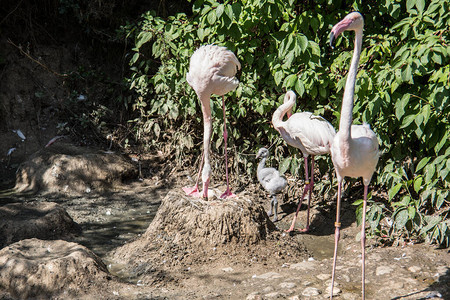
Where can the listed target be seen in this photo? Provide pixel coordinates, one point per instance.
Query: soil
(88, 223)
(144, 239)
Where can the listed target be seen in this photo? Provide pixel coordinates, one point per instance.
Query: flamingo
(354, 151)
(271, 180)
(212, 70)
(311, 134)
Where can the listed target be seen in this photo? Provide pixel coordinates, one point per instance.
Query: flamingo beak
(339, 28)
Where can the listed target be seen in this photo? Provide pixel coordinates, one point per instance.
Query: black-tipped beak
(332, 40)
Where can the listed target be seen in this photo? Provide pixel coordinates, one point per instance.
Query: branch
(35, 60)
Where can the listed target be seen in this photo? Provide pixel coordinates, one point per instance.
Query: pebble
(269, 275)
(324, 276)
(254, 296)
(336, 290)
(381, 270)
(287, 285)
(414, 269)
(306, 265)
(310, 291)
(228, 269)
(273, 295)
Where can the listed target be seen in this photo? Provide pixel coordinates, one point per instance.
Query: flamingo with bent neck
(354, 151)
(212, 70)
(311, 134)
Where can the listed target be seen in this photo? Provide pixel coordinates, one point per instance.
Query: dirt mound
(41, 269)
(43, 220)
(63, 168)
(189, 231)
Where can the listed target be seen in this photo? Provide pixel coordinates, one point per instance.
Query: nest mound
(37, 269)
(190, 231)
(43, 220)
(64, 168)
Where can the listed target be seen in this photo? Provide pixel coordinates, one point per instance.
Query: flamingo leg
(228, 192)
(311, 188)
(337, 224)
(274, 204)
(193, 191)
(306, 188)
(363, 242)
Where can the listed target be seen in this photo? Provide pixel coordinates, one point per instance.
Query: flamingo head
(263, 152)
(353, 21)
(289, 96)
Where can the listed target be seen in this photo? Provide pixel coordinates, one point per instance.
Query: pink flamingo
(309, 133)
(212, 70)
(354, 151)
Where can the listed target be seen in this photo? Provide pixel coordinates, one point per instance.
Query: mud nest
(188, 231)
(43, 220)
(37, 269)
(63, 168)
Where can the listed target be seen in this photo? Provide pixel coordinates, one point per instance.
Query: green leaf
(407, 121)
(401, 216)
(303, 42)
(422, 163)
(219, 10)
(418, 183)
(284, 166)
(394, 190)
(400, 106)
(299, 87)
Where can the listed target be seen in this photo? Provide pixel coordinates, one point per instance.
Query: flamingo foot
(227, 194)
(292, 229)
(192, 191)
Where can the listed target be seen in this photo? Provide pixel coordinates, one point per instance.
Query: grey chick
(271, 180)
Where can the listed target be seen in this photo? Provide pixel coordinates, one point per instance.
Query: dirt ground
(151, 252)
(108, 247)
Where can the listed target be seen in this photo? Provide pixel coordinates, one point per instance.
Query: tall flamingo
(212, 70)
(354, 151)
(311, 134)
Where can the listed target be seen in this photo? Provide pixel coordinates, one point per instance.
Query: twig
(36, 61)
(11, 12)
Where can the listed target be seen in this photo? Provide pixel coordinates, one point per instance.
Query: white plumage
(312, 134)
(212, 70)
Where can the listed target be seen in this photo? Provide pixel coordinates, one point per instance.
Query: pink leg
(363, 242)
(336, 235)
(193, 191)
(306, 188)
(228, 192)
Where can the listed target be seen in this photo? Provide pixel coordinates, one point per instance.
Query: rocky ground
(143, 239)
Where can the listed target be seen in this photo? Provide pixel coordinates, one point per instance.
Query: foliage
(402, 90)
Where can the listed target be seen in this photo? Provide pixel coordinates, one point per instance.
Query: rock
(268, 275)
(324, 276)
(414, 269)
(310, 292)
(228, 269)
(42, 220)
(303, 266)
(254, 296)
(287, 285)
(35, 268)
(273, 295)
(336, 290)
(381, 270)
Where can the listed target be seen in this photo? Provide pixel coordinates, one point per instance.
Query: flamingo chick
(271, 180)
(311, 134)
(212, 70)
(355, 147)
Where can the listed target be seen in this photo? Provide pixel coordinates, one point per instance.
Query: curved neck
(262, 164)
(345, 122)
(278, 115)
